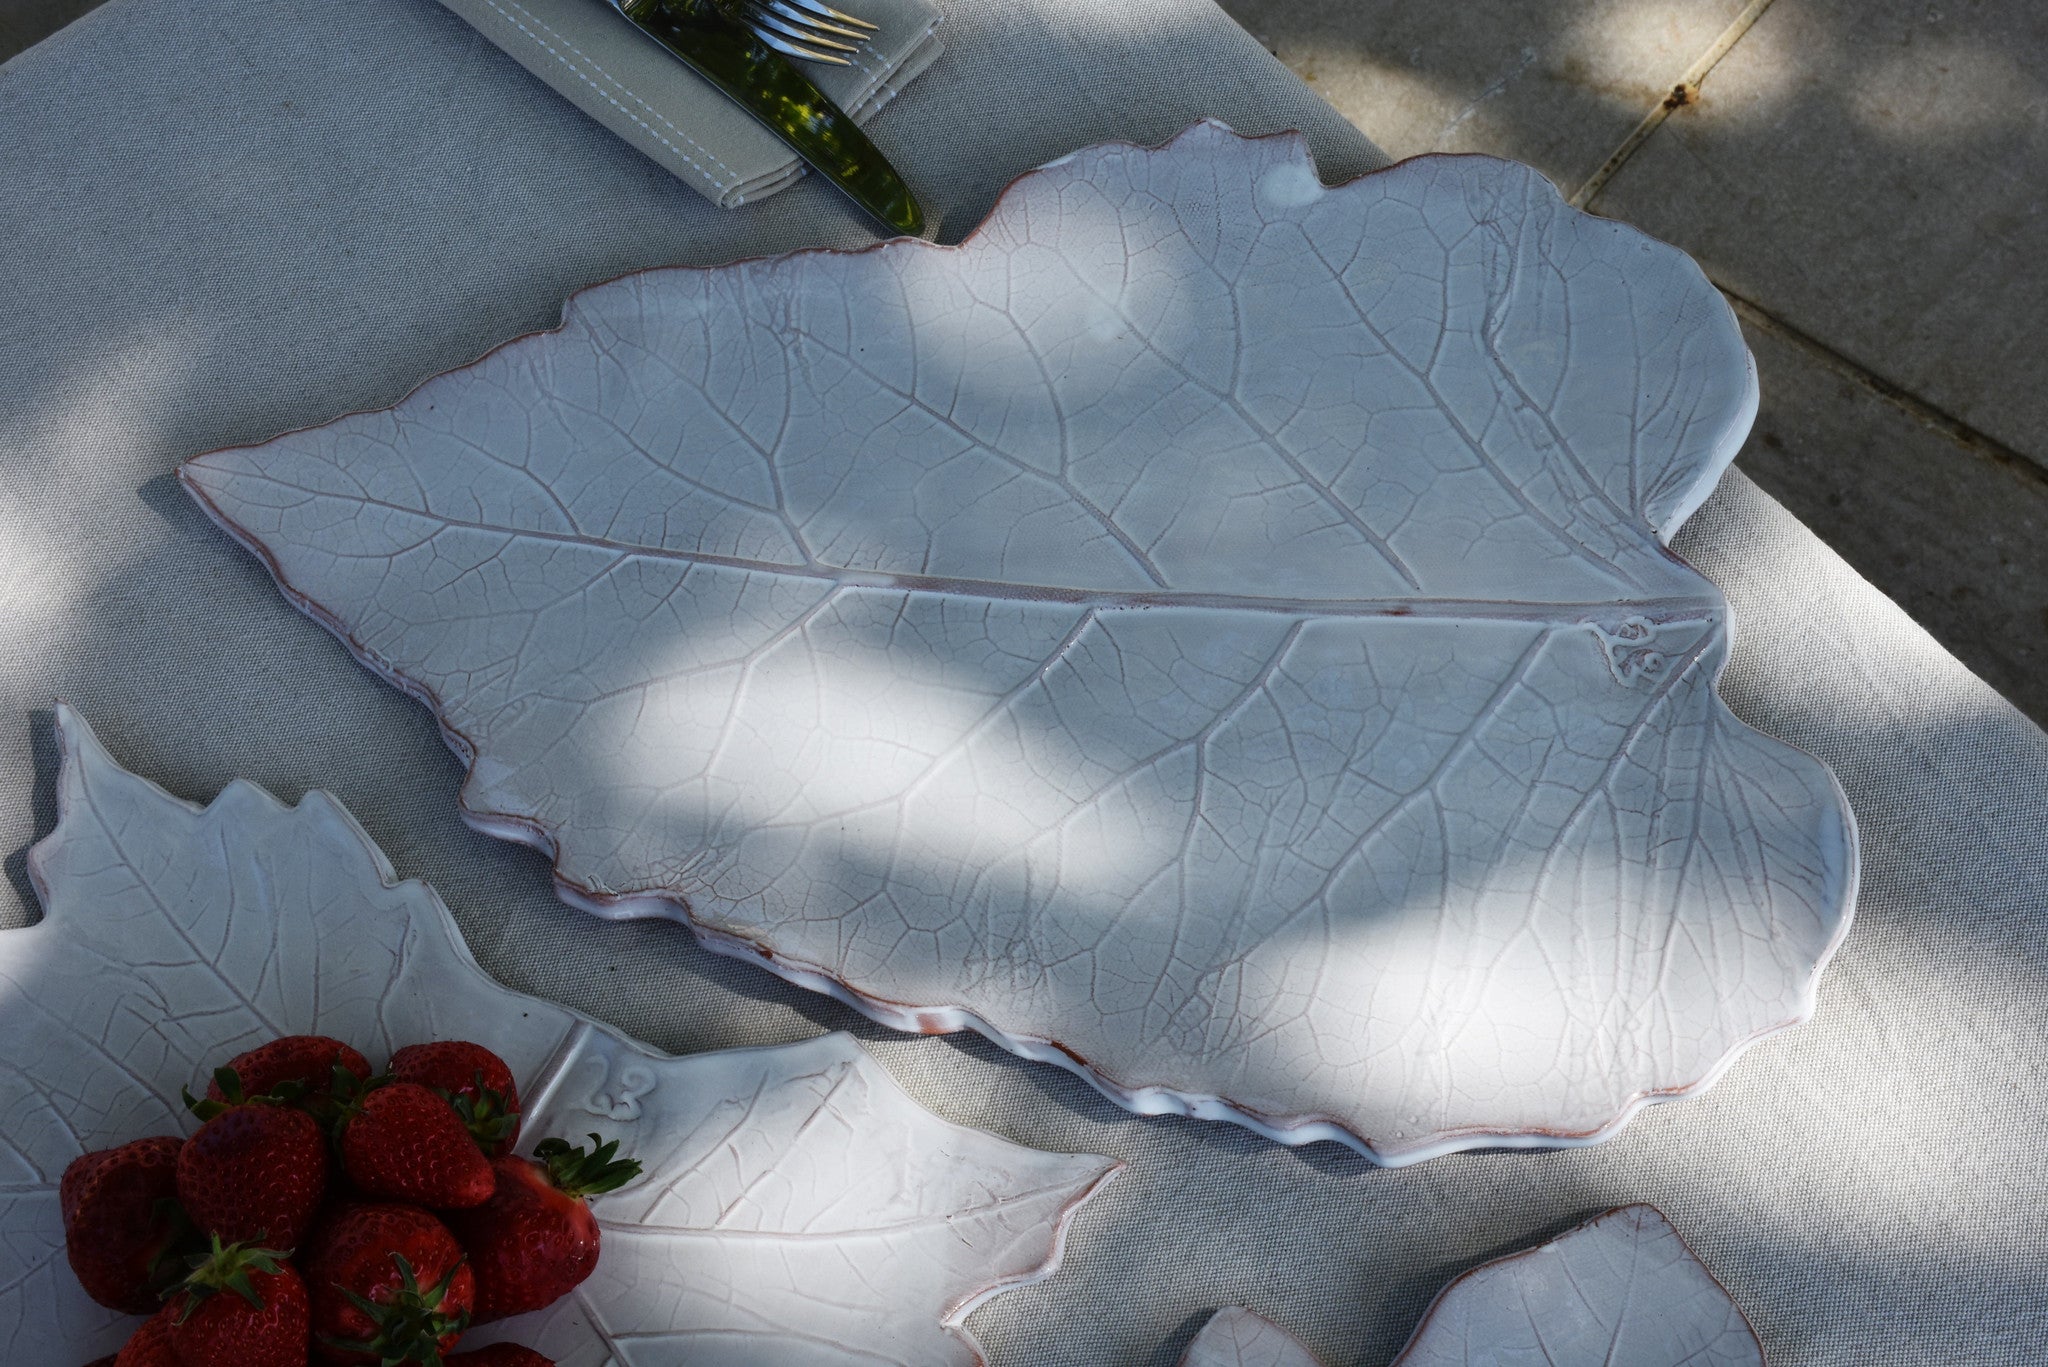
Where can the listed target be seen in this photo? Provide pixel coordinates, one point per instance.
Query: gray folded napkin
(633, 86)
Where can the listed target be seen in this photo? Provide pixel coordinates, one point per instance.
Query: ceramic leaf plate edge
(314, 507)
(1621, 1288)
(795, 1201)
(1235, 1337)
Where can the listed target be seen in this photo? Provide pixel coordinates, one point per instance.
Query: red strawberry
(241, 1307)
(149, 1346)
(535, 1240)
(499, 1355)
(475, 1080)
(255, 1170)
(306, 1060)
(122, 1225)
(402, 1143)
(389, 1285)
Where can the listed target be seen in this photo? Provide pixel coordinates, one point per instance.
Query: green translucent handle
(763, 82)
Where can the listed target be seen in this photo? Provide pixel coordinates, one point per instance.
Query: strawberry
(122, 1223)
(255, 1170)
(388, 1284)
(305, 1064)
(499, 1355)
(535, 1240)
(241, 1307)
(149, 1346)
(475, 1081)
(400, 1142)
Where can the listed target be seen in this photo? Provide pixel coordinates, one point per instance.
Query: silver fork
(807, 29)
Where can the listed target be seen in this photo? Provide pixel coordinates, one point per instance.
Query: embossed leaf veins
(1210, 630)
(1235, 1337)
(796, 1206)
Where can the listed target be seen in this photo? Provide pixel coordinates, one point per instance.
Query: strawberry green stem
(586, 1174)
(410, 1325)
(226, 1268)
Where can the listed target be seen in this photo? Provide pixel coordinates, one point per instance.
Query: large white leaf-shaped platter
(796, 1206)
(1621, 1290)
(1208, 630)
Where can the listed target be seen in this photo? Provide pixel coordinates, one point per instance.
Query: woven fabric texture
(631, 85)
(226, 218)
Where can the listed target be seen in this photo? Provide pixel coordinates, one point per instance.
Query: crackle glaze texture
(1210, 631)
(796, 1206)
(1620, 1289)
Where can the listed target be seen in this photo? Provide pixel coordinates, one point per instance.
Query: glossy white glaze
(1235, 1337)
(796, 1206)
(1208, 631)
(1621, 1290)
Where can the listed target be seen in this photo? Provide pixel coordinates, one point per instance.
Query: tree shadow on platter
(932, 895)
(1885, 386)
(1925, 873)
(1929, 880)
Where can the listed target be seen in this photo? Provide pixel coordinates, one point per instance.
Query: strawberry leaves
(580, 1174)
(229, 1084)
(486, 1116)
(225, 1268)
(411, 1323)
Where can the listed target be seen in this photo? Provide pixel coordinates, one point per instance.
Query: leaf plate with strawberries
(794, 1205)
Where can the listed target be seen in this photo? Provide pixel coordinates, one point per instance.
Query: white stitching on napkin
(731, 177)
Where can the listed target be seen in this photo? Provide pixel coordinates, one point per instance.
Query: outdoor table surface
(227, 218)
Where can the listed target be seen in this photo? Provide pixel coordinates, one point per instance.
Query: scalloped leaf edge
(1140, 1099)
(81, 752)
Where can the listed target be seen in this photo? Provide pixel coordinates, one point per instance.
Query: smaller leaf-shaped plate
(796, 1206)
(1235, 1337)
(1621, 1288)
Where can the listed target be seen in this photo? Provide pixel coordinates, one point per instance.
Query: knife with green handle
(762, 81)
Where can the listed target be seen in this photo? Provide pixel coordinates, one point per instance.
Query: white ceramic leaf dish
(795, 1206)
(1208, 631)
(1622, 1288)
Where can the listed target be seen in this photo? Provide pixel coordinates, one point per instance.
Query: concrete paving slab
(1953, 533)
(1876, 174)
(1558, 84)
(24, 23)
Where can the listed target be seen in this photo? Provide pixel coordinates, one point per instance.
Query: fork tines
(808, 29)
(824, 11)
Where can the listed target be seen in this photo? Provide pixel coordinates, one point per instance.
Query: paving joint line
(1684, 93)
(1898, 396)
